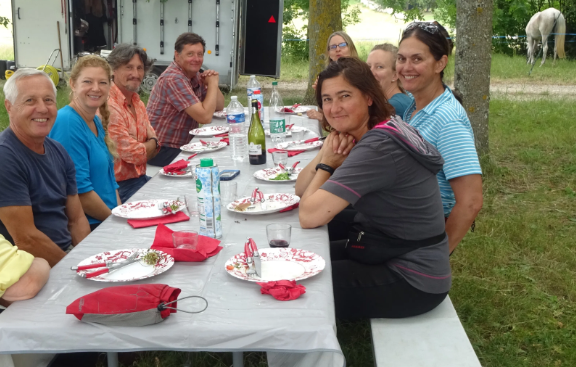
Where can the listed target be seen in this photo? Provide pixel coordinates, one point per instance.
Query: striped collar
(431, 107)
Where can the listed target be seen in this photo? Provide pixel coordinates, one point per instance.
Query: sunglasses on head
(341, 45)
(429, 27)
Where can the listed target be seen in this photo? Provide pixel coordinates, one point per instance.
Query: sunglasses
(425, 26)
(341, 45)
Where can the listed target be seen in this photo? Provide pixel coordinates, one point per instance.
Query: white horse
(539, 27)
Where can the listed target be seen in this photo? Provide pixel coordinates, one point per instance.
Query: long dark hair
(433, 35)
(358, 74)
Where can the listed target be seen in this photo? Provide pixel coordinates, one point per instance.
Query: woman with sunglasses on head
(422, 57)
(382, 63)
(85, 137)
(339, 45)
(393, 260)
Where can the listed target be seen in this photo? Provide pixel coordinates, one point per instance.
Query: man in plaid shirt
(182, 98)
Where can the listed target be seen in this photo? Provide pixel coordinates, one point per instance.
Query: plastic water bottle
(277, 117)
(254, 91)
(237, 134)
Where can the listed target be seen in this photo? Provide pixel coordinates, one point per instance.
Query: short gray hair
(11, 89)
(123, 53)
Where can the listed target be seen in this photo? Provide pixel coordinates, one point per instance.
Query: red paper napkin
(225, 140)
(291, 153)
(291, 207)
(221, 135)
(176, 167)
(141, 223)
(283, 290)
(206, 247)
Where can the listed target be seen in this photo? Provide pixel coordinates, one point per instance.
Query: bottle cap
(234, 98)
(274, 83)
(206, 162)
(252, 76)
(257, 91)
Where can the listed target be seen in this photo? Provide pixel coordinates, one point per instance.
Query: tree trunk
(472, 66)
(324, 19)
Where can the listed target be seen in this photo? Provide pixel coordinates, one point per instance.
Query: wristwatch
(156, 140)
(325, 167)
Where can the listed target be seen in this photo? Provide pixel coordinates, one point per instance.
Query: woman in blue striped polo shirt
(441, 119)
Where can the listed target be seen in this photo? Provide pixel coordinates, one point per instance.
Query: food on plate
(151, 258)
(242, 207)
(171, 206)
(284, 176)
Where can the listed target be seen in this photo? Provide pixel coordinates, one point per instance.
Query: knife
(302, 142)
(256, 257)
(109, 267)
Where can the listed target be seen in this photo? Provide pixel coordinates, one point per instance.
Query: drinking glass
(278, 234)
(228, 192)
(298, 134)
(192, 205)
(280, 157)
(185, 239)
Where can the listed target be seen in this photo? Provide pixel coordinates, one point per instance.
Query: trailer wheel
(148, 83)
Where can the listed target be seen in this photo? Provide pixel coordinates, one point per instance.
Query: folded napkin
(178, 167)
(291, 153)
(221, 135)
(225, 140)
(173, 218)
(283, 290)
(291, 207)
(206, 247)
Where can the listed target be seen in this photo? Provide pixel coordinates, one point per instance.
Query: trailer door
(35, 32)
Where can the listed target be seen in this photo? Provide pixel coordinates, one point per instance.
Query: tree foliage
(4, 21)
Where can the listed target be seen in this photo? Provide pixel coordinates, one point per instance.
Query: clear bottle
(237, 134)
(254, 91)
(277, 116)
(256, 138)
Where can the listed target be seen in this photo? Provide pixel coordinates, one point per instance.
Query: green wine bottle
(256, 137)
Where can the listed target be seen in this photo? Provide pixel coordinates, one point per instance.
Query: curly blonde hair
(97, 62)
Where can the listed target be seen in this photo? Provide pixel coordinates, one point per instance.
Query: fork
(251, 271)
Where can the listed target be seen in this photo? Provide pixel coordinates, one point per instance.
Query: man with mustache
(183, 97)
(40, 211)
(129, 126)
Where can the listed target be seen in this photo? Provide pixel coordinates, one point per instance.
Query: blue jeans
(129, 187)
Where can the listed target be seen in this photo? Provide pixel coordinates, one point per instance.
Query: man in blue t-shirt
(40, 211)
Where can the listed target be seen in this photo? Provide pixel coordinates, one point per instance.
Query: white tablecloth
(238, 317)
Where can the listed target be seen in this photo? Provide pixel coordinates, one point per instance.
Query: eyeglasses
(341, 45)
(429, 27)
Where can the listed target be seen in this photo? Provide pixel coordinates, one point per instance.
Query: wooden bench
(434, 339)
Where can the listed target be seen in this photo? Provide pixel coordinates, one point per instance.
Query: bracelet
(325, 167)
(156, 140)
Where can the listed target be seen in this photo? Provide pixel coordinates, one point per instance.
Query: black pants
(164, 157)
(370, 291)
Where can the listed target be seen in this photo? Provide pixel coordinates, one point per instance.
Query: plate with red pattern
(150, 263)
(272, 203)
(300, 145)
(278, 264)
(203, 147)
(209, 130)
(271, 175)
(148, 209)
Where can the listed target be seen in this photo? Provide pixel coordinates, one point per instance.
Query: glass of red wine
(278, 234)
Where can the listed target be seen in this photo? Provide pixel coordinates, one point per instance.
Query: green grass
(515, 70)
(6, 52)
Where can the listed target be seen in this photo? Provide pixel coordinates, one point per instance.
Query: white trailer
(242, 36)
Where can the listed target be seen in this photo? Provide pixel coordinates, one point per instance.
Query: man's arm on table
(214, 101)
(19, 221)
(77, 221)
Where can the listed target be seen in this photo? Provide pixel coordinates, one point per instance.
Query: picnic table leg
(237, 359)
(112, 359)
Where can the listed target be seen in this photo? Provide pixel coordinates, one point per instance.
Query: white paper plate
(201, 148)
(210, 130)
(188, 174)
(269, 173)
(274, 203)
(278, 264)
(135, 271)
(299, 109)
(144, 209)
(300, 145)
(308, 133)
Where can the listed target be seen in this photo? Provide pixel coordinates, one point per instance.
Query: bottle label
(255, 149)
(235, 118)
(277, 126)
